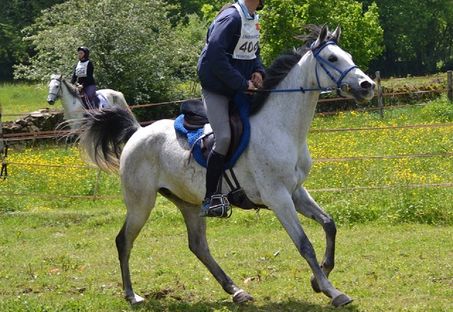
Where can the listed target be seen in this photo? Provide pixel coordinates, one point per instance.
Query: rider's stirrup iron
(219, 207)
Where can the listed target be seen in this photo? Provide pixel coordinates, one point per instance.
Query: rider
(229, 63)
(83, 75)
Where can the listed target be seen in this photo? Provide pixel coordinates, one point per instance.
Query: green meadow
(59, 219)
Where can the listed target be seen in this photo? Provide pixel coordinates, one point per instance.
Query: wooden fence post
(380, 94)
(450, 85)
(1, 129)
(3, 151)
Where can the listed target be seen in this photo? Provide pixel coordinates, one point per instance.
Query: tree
(418, 35)
(15, 15)
(284, 19)
(133, 45)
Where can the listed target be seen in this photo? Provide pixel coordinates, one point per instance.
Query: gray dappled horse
(72, 103)
(271, 170)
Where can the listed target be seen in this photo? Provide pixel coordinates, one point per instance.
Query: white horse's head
(335, 68)
(54, 88)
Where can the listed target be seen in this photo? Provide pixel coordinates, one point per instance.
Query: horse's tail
(103, 135)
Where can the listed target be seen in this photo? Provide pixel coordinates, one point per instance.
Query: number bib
(249, 41)
(81, 69)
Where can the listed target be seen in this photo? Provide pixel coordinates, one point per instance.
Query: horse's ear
(337, 34)
(322, 37)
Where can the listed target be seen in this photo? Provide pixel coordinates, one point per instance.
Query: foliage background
(134, 46)
(284, 19)
(149, 49)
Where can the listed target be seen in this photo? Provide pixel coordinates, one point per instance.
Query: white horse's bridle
(52, 93)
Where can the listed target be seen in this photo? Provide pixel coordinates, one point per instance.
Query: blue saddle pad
(103, 102)
(242, 104)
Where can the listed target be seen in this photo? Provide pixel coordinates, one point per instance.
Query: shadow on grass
(291, 305)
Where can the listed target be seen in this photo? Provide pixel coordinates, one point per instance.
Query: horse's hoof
(314, 285)
(341, 300)
(241, 296)
(135, 299)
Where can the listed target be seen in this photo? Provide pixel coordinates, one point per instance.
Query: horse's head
(54, 88)
(336, 69)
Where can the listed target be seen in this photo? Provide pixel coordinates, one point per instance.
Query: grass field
(22, 98)
(65, 260)
(394, 245)
(395, 204)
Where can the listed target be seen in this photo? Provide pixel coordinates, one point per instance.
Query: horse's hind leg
(196, 230)
(138, 211)
(306, 205)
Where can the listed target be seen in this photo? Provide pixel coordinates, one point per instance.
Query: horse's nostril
(366, 85)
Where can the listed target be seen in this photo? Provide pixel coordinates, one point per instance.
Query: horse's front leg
(307, 206)
(282, 204)
(196, 230)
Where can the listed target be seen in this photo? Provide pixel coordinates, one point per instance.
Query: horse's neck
(71, 104)
(292, 112)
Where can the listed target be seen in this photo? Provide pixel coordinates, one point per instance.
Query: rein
(324, 65)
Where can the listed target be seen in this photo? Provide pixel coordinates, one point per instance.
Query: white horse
(271, 170)
(72, 103)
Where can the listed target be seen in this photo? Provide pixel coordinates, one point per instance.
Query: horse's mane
(282, 65)
(71, 87)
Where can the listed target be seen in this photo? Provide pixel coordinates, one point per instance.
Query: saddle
(87, 104)
(193, 124)
(195, 117)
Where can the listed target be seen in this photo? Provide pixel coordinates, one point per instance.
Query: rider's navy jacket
(217, 70)
(84, 81)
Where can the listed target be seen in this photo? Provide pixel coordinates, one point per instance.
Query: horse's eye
(332, 58)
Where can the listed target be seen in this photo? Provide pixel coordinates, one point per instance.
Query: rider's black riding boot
(214, 206)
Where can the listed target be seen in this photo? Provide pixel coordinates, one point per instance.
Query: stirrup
(218, 206)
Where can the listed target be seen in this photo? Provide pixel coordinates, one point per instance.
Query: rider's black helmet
(85, 50)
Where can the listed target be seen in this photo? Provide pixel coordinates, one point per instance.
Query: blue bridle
(325, 65)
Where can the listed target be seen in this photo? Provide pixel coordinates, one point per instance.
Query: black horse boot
(214, 205)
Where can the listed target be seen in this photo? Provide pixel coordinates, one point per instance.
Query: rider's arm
(222, 37)
(259, 67)
(90, 70)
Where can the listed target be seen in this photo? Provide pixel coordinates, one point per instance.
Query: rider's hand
(257, 79)
(251, 87)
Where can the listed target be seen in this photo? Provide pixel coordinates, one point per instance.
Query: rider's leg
(213, 172)
(217, 111)
(217, 108)
(90, 92)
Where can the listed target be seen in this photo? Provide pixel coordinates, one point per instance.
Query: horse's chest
(303, 167)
